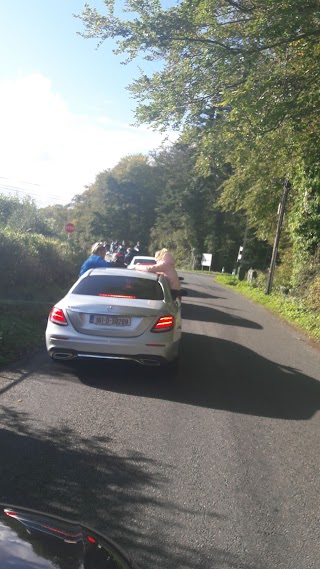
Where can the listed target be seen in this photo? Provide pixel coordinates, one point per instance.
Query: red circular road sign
(70, 228)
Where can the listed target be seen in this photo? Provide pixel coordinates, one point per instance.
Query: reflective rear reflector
(57, 317)
(164, 324)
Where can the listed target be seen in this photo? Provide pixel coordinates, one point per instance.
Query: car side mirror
(71, 544)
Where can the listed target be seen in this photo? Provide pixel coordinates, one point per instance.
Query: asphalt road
(215, 469)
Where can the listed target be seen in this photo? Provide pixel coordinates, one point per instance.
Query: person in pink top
(165, 263)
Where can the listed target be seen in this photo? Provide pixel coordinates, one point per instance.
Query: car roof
(143, 257)
(122, 273)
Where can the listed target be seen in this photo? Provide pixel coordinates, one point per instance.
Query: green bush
(31, 261)
(22, 329)
(313, 296)
(290, 308)
(35, 272)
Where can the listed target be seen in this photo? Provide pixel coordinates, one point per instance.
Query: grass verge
(22, 330)
(23, 322)
(290, 308)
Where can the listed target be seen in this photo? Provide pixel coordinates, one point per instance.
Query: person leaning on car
(96, 259)
(164, 264)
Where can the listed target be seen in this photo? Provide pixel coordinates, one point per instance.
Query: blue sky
(65, 113)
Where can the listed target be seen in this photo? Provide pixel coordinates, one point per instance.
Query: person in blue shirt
(96, 259)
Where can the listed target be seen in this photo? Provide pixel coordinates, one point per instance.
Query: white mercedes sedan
(116, 314)
(142, 260)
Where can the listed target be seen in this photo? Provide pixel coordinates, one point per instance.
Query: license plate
(104, 320)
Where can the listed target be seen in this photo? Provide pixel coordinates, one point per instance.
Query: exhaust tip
(63, 356)
(149, 362)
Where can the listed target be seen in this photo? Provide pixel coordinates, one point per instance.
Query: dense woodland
(240, 83)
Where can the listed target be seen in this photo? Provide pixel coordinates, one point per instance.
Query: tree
(8, 204)
(22, 214)
(189, 219)
(240, 79)
(56, 217)
(257, 60)
(120, 204)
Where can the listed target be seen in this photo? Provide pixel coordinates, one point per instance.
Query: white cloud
(43, 143)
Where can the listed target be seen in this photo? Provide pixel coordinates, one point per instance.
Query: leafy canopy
(260, 60)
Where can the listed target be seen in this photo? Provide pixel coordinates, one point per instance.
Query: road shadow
(123, 495)
(216, 374)
(209, 314)
(213, 373)
(192, 293)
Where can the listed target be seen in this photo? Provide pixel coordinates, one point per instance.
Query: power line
(20, 181)
(24, 191)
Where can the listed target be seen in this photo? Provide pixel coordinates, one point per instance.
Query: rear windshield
(119, 287)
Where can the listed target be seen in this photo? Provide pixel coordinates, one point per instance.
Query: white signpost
(206, 260)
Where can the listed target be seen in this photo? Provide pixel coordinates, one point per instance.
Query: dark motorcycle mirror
(29, 539)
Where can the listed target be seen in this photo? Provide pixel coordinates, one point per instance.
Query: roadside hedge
(33, 262)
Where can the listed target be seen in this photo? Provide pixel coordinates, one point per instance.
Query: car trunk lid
(120, 317)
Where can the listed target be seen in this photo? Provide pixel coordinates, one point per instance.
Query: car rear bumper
(142, 359)
(102, 348)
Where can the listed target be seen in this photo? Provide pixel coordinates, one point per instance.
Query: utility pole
(193, 258)
(282, 206)
(241, 254)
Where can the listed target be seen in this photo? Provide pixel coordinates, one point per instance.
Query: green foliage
(22, 329)
(189, 221)
(22, 215)
(120, 204)
(36, 271)
(257, 60)
(241, 82)
(313, 298)
(290, 308)
(56, 217)
(33, 261)
(8, 204)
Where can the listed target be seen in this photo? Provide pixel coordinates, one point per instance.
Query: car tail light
(57, 317)
(11, 514)
(164, 324)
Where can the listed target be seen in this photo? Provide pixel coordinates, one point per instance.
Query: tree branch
(239, 7)
(205, 41)
(284, 42)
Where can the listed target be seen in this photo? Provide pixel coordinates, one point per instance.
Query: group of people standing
(165, 264)
(100, 250)
(116, 246)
